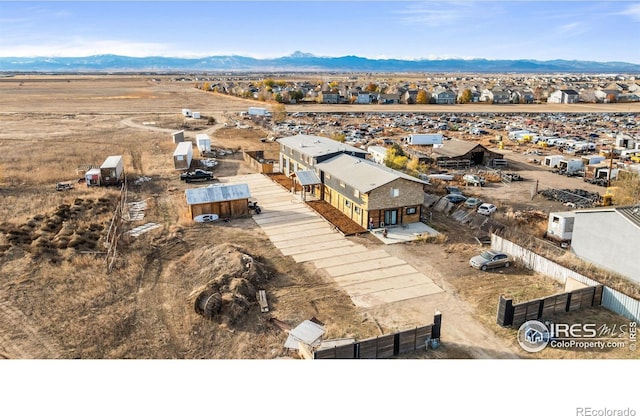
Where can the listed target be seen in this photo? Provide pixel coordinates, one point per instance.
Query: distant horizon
(598, 31)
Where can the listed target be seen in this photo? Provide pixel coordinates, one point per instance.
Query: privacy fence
(515, 315)
(386, 346)
(611, 299)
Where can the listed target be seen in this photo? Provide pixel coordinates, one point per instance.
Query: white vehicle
(486, 209)
(474, 180)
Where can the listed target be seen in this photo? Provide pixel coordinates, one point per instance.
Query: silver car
(490, 259)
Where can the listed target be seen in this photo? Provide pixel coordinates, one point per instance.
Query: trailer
(183, 155)
(592, 159)
(203, 142)
(424, 139)
(92, 177)
(178, 136)
(552, 161)
(258, 111)
(112, 171)
(570, 166)
(560, 226)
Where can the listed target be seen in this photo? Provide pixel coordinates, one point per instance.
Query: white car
(206, 218)
(486, 209)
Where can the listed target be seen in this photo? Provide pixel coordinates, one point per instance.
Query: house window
(347, 203)
(342, 184)
(356, 193)
(395, 192)
(411, 210)
(356, 209)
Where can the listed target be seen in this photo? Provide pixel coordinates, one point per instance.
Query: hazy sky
(582, 30)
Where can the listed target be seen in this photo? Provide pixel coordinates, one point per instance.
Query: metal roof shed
(225, 200)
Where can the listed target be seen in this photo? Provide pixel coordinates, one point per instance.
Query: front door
(391, 217)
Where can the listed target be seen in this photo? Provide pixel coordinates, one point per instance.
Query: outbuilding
(178, 136)
(183, 155)
(112, 171)
(225, 200)
(92, 177)
(462, 150)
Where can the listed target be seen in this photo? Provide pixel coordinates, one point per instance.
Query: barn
(462, 151)
(225, 200)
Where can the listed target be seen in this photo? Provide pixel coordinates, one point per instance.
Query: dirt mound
(227, 279)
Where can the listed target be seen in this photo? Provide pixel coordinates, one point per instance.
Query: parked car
(453, 190)
(197, 175)
(64, 186)
(490, 259)
(472, 202)
(206, 218)
(455, 198)
(474, 180)
(486, 209)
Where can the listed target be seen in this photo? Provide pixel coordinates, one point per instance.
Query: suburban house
(522, 97)
(462, 150)
(364, 97)
(409, 96)
(365, 191)
(389, 99)
(443, 96)
(330, 97)
(225, 200)
(564, 97)
(609, 238)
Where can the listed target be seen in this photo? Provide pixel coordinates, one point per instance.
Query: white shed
(560, 226)
(203, 142)
(183, 155)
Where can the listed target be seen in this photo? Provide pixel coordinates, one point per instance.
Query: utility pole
(610, 166)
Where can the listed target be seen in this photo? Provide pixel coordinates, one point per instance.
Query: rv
(112, 171)
(424, 139)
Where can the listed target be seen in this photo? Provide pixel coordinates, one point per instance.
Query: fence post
(437, 324)
(505, 312)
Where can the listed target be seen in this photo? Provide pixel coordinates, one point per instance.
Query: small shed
(225, 200)
(183, 155)
(203, 141)
(560, 226)
(178, 136)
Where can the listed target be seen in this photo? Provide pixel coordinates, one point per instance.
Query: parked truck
(112, 171)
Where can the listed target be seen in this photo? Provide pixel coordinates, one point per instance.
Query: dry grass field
(53, 277)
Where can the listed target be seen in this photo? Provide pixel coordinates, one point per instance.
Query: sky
(574, 30)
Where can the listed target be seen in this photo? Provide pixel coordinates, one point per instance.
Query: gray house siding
(608, 240)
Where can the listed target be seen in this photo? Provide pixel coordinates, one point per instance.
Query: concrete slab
(330, 253)
(299, 235)
(298, 227)
(371, 300)
(308, 241)
(342, 259)
(316, 247)
(270, 213)
(395, 282)
(349, 279)
(363, 266)
(283, 218)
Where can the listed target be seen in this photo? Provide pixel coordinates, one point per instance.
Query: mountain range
(303, 62)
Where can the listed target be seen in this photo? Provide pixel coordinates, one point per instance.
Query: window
(395, 192)
(356, 209)
(356, 193)
(347, 203)
(411, 210)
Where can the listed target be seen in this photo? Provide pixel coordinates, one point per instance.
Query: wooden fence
(515, 315)
(386, 346)
(256, 160)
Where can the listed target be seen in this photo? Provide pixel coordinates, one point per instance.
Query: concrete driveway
(370, 277)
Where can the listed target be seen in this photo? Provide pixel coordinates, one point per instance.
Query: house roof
(307, 177)
(570, 92)
(362, 174)
(315, 146)
(454, 148)
(217, 193)
(377, 149)
(631, 212)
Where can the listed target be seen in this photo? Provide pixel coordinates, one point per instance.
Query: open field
(53, 277)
